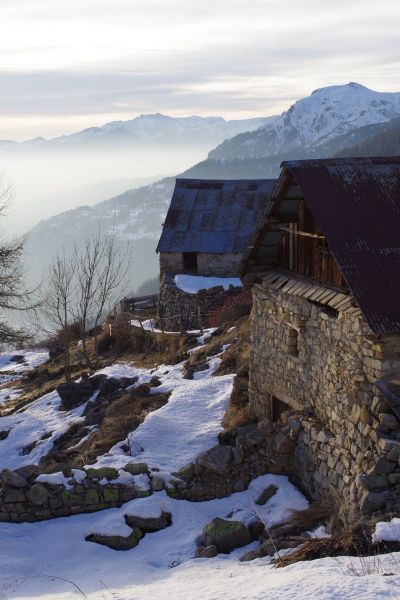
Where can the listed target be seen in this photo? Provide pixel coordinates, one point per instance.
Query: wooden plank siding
(308, 255)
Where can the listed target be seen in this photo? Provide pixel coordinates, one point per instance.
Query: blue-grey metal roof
(214, 216)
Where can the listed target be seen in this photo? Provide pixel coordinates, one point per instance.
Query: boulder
(29, 472)
(73, 393)
(13, 479)
(117, 542)
(226, 535)
(266, 494)
(217, 459)
(136, 468)
(149, 524)
(109, 385)
(157, 483)
(206, 552)
(373, 501)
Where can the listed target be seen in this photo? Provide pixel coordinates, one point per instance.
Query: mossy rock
(102, 473)
(117, 542)
(38, 494)
(226, 535)
(136, 468)
(186, 473)
(110, 495)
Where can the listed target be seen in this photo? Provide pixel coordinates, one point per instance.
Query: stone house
(324, 267)
(206, 232)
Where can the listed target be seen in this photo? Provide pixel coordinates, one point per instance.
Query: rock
(186, 473)
(226, 535)
(388, 421)
(157, 483)
(256, 528)
(73, 394)
(12, 479)
(373, 482)
(373, 501)
(383, 466)
(101, 473)
(117, 542)
(140, 391)
(267, 494)
(206, 551)
(96, 380)
(136, 468)
(109, 385)
(28, 471)
(284, 445)
(38, 494)
(149, 524)
(217, 460)
(4, 435)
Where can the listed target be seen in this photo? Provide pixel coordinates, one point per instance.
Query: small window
(292, 341)
(190, 262)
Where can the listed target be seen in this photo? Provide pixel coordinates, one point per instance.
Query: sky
(70, 64)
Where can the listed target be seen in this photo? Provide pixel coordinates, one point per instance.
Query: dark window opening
(190, 262)
(277, 408)
(293, 341)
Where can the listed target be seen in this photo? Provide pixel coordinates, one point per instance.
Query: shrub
(234, 307)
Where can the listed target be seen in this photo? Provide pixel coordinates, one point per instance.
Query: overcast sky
(69, 64)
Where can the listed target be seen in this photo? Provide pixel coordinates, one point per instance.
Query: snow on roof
(193, 283)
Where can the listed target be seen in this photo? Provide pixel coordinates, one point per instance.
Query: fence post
(200, 320)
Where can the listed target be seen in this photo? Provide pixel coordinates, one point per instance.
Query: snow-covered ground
(193, 283)
(11, 369)
(51, 559)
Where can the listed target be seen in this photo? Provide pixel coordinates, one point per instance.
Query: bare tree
(59, 301)
(114, 266)
(14, 297)
(100, 269)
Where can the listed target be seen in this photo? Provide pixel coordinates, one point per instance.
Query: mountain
(368, 127)
(146, 129)
(312, 121)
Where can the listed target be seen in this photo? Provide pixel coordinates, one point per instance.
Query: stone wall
(25, 499)
(323, 365)
(216, 265)
(180, 311)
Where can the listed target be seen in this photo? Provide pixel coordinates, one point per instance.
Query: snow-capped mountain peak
(327, 113)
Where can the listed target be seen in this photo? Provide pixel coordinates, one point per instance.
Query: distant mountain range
(145, 129)
(335, 121)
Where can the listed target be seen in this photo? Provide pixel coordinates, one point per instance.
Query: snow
(41, 422)
(188, 424)
(193, 283)
(37, 558)
(327, 113)
(387, 531)
(11, 370)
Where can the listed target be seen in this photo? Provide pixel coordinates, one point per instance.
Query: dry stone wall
(181, 311)
(314, 377)
(25, 499)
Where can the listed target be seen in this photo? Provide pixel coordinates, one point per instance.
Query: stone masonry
(216, 265)
(315, 378)
(179, 310)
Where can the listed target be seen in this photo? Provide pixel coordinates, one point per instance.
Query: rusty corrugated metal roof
(214, 216)
(356, 203)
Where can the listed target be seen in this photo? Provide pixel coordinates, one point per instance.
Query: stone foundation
(180, 311)
(314, 377)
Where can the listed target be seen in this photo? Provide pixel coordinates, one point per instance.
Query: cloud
(96, 59)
